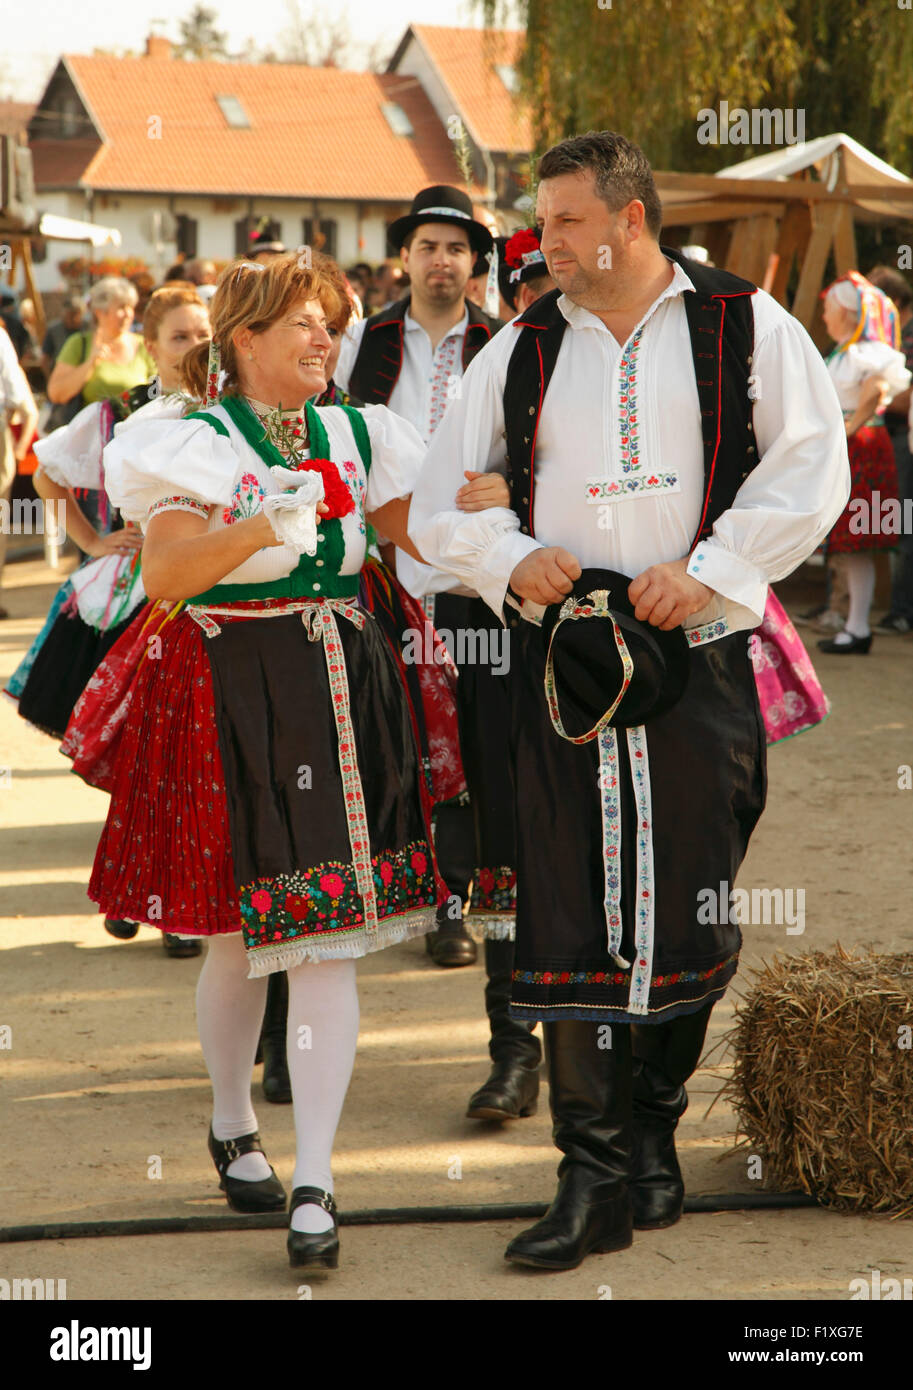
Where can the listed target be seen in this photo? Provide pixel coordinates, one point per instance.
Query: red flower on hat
(520, 245)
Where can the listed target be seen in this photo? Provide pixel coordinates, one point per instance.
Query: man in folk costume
(671, 428)
(411, 357)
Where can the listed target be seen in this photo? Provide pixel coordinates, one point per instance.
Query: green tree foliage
(647, 67)
(200, 38)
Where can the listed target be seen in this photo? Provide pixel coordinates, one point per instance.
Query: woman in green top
(105, 363)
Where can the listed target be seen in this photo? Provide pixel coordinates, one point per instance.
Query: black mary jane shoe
(267, 1194)
(313, 1250)
(855, 644)
(123, 930)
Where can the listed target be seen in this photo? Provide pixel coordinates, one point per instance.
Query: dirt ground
(104, 1072)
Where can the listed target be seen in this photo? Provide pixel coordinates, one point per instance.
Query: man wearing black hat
(671, 428)
(411, 357)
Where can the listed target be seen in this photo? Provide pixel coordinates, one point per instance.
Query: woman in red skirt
(266, 790)
(868, 371)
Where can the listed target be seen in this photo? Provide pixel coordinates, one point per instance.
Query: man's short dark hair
(886, 278)
(620, 168)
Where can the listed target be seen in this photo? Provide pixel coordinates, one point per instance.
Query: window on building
(186, 235)
(233, 112)
(245, 226)
(397, 119)
(508, 76)
(320, 234)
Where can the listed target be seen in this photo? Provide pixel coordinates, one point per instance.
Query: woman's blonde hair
(161, 302)
(255, 296)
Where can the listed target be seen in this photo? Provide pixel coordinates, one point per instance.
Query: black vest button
(532, 410)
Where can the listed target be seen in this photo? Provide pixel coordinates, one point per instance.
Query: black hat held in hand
(604, 666)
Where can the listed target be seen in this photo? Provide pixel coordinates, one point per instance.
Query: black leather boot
(512, 1090)
(273, 1046)
(665, 1055)
(454, 840)
(590, 1097)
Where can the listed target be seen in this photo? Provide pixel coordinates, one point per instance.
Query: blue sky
(38, 31)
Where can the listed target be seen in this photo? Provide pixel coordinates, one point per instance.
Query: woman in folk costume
(868, 371)
(278, 816)
(98, 602)
(428, 686)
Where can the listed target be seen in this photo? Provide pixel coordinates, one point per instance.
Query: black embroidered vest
(380, 353)
(721, 326)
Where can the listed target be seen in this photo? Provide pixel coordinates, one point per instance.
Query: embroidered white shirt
(618, 414)
(423, 384)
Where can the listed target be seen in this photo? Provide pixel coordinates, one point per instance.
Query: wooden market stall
(793, 206)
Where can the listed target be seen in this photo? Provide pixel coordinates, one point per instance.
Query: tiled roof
(314, 132)
(61, 163)
(466, 60)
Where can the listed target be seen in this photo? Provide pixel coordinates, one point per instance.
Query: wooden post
(795, 230)
(824, 219)
(845, 253)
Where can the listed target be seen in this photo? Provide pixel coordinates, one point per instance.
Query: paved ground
(104, 1073)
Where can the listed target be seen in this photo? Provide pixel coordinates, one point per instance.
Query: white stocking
(859, 568)
(229, 1015)
(322, 1035)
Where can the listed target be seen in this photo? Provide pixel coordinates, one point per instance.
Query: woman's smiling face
(288, 362)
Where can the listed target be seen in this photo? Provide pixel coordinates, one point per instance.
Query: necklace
(284, 429)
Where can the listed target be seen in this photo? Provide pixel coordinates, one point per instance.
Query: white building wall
(215, 230)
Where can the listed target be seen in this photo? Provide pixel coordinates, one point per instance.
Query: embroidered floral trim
(643, 932)
(616, 489)
(494, 890)
(245, 500)
(326, 898)
(627, 405)
(177, 504)
(708, 632)
(444, 380)
(609, 977)
(611, 837)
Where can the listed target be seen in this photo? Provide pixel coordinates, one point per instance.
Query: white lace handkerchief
(293, 515)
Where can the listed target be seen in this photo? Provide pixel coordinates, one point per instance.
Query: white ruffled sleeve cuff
(71, 455)
(168, 459)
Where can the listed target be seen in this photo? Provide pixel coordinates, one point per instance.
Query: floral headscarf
(878, 320)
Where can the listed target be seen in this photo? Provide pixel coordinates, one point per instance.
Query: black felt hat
(441, 203)
(600, 656)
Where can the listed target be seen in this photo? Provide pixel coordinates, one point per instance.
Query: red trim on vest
(532, 452)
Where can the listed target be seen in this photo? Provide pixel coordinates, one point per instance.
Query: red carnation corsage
(521, 244)
(336, 494)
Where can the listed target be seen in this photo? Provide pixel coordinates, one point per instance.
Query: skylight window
(397, 119)
(233, 112)
(508, 76)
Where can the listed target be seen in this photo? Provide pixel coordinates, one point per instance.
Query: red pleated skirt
(872, 469)
(168, 766)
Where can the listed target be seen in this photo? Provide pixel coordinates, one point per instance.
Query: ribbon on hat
(596, 605)
(492, 296)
